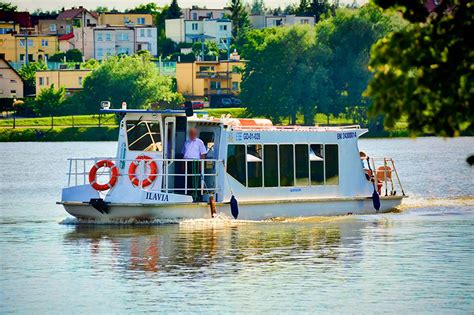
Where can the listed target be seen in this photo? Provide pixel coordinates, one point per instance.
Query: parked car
(226, 102)
(236, 102)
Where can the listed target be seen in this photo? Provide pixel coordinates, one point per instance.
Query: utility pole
(26, 48)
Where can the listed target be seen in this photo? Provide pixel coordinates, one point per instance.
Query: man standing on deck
(194, 149)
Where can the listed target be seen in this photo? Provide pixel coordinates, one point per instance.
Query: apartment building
(11, 84)
(264, 21)
(113, 40)
(54, 27)
(146, 39)
(191, 31)
(125, 19)
(71, 79)
(212, 79)
(38, 47)
(196, 13)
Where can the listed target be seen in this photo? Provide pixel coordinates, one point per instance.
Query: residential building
(79, 17)
(22, 19)
(12, 23)
(146, 39)
(113, 40)
(71, 79)
(125, 19)
(263, 21)
(212, 79)
(191, 31)
(80, 38)
(11, 84)
(14, 47)
(196, 13)
(54, 27)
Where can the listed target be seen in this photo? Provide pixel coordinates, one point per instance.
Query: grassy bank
(86, 127)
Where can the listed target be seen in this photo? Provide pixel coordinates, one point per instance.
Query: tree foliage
(8, 7)
(130, 79)
(257, 7)
(239, 17)
(306, 70)
(425, 71)
(28, 73)
(48, 102)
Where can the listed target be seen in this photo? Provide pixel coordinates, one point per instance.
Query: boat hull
(248, 210)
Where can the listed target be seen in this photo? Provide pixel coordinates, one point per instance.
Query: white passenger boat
(253, 170)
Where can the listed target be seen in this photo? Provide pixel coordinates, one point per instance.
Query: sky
(48, 5)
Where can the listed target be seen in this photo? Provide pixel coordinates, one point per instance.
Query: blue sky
(31, 5)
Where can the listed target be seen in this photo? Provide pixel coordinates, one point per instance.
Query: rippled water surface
(419, 259)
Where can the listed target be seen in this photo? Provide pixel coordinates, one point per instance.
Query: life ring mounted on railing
(132, 171)
(93, 175)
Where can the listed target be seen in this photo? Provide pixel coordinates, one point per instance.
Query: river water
(419, 259)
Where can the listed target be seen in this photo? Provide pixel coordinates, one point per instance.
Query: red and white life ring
(93, 175)
(132, 171)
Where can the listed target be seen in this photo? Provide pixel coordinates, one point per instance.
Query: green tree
(57, 57)
(8, 7)
(130, 79)
(150, 8)
(239, 17)
(211, 50)
(173, 11)
(320, 9)
(74, 55)
(257, 7)
(275, 78)
(48, 102)
(28, 73)
(90, 64)
(425, 71)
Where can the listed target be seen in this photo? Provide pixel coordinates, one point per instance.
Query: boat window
(302, 164)
(254, 165)
(316, 160)
(287, 170)
(270, 165)
(143, 136)
(332, 164)
(236, 165)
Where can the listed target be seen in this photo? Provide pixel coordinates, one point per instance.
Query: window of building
(100, 52)
(99, 37)
(142, 32)
(194, 26)
(6, 30)
(195, 16)
(302, 164)
(22, 57)
(332, 164)
(79, 80)
(47, 80)
(236, 165)
(215, 85)
(316, 160)
(123, 36)
(1, 91)
(41, 81)
(13, 91)
(148, 32)
(141, 20)
(68, 28)
(304, 21)
(206, 68)
(287, 165)
(143, 136)
(270, 165)
(23, 42)
(12, 81)
(223, 27)
(235, 86)
(254, 165)
(1, 75)
(107, 37)
(52, 27)
(44, 42)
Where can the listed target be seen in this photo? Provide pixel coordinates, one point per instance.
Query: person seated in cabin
(194, 150)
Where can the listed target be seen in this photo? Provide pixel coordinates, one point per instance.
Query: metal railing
(195, 175)
(384, 169)
(294, 128)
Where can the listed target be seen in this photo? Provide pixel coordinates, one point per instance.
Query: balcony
(213, 74)
(221, 91)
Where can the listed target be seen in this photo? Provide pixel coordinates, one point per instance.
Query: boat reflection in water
(192, 246)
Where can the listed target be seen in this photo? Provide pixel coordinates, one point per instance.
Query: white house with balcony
(113, 40)
(264, 21)
(146, 38)
(191, 31)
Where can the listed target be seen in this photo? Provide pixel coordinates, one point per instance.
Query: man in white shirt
(194, 149)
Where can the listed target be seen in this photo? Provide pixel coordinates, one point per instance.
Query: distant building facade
(113, 40)
(146, 38)
(79, 17)
(71, 79)
(54, 27)
(264, 21)
(11, 84)
(196, 13)
(125, 19)
(191, 31)
(212, 79)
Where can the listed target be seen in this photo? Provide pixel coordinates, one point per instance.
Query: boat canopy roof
(177, 112)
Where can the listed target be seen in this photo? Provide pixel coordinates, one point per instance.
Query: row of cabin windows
(271, 165)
